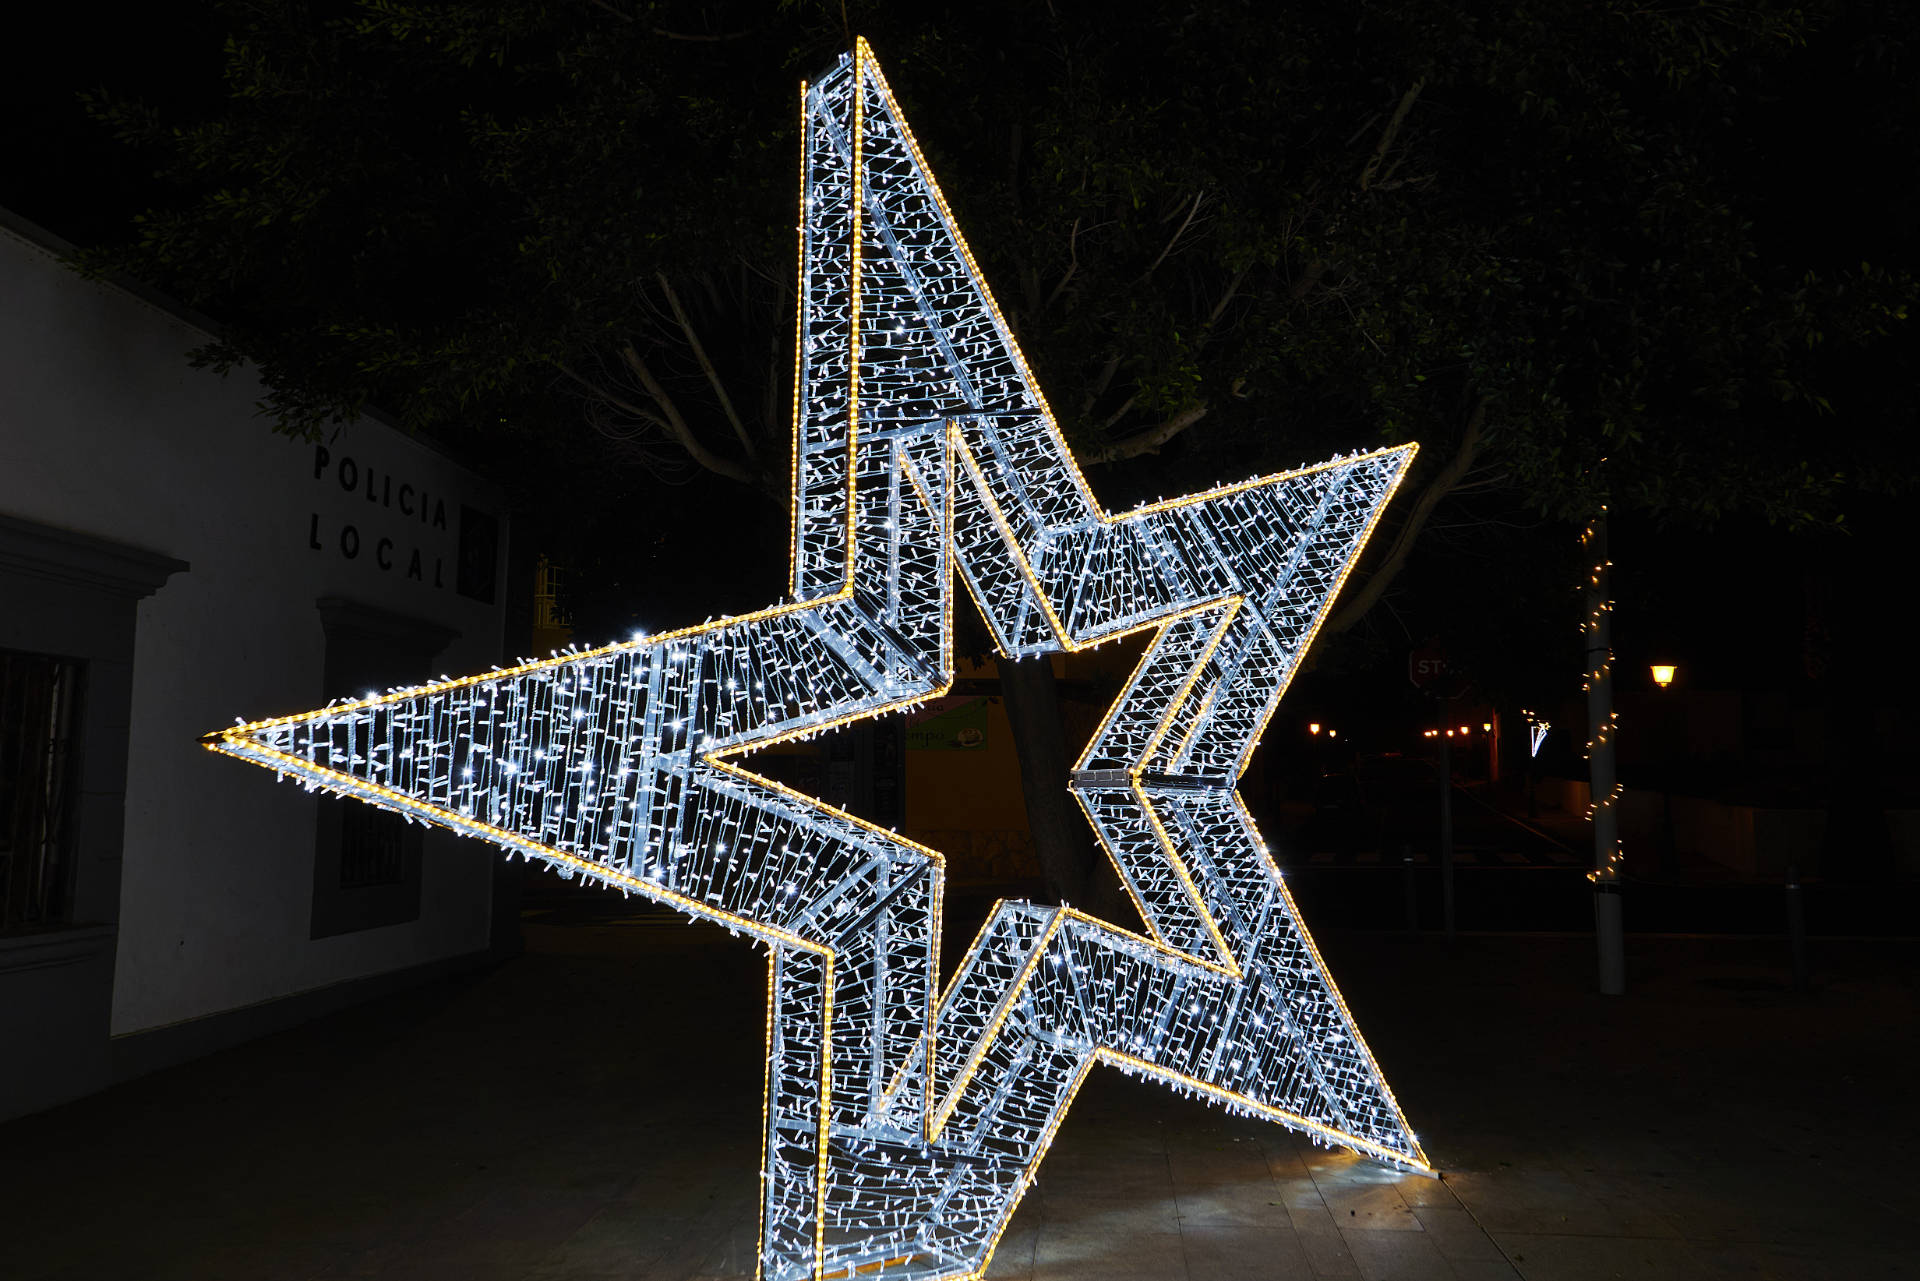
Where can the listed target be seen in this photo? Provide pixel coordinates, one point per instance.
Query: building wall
(106, 431)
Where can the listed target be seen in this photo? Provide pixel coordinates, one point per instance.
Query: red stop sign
(1425, 666)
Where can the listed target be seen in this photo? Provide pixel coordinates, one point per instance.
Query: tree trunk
(1355, 607)
(1603, 790)
(1071, 863)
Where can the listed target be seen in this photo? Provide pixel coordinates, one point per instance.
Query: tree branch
(620, 403)
(696, 36)
(1150, 441)
(1220, 308)
(1100, 384)
(677, 425)
(1179, 231)
(1393, 127)
(1306, 280)
(629, 439)
(672, 35)
(1126, 407)
(706, 367)
(1439, 487)
(1073, 265)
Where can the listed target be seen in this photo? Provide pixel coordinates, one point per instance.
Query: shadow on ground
(590, 1110)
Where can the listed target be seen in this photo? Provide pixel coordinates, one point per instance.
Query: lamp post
(1536, 735)
(1446, 827)
(1663, 674)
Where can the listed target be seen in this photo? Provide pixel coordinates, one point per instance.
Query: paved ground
(1490, 828)
(589, 1111)
(1525, 872)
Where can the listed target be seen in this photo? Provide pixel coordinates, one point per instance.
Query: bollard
(1796, 928)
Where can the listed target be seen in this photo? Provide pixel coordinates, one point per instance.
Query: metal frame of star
(902, 1123)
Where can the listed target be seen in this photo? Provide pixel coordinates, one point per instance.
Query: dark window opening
(366, 870)
(479, 555)
(374, 847)
(39, 721)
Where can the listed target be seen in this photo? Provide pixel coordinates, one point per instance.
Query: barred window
(367, 860)
(39, 719)
(374, 847)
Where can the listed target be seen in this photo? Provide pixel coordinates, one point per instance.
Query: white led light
(902, 1125)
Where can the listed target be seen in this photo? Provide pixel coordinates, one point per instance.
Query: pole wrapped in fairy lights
(903, 1124)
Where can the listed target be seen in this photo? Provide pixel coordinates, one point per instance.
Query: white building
(167, 564)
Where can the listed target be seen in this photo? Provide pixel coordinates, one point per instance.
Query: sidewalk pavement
(590, 1110)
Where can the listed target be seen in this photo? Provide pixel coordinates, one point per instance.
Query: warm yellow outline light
(240, 740)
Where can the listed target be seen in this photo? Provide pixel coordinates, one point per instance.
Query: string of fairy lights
(1537, 728)
(1599, 677)
(902, 1124)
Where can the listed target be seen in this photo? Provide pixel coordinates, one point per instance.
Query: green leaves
(1237, 221)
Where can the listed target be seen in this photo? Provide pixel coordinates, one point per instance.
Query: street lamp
(1669, 860)
(1313, 727)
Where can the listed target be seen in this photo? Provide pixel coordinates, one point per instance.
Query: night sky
(1740, 605)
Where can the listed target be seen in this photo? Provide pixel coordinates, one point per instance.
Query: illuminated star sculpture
(903, 1124)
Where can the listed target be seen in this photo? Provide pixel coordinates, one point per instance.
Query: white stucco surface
(106, 430)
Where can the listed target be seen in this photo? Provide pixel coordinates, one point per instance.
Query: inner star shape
(903, 1123)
